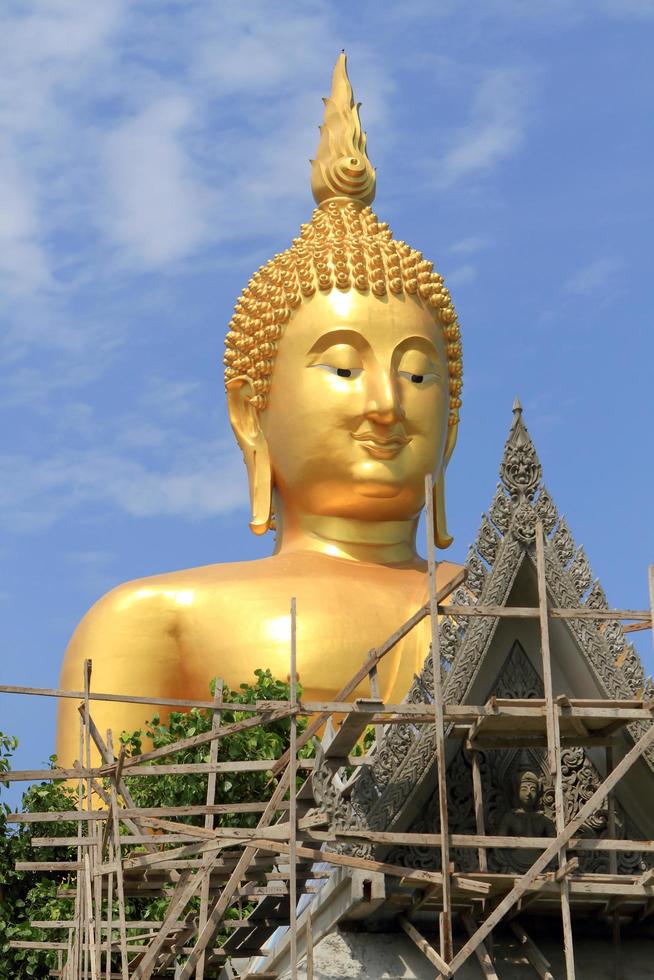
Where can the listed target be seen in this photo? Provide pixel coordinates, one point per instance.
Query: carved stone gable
(500, 772)
(402, 774)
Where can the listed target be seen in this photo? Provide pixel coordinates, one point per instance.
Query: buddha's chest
(338, 622)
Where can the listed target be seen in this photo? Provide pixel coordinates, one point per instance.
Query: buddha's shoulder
(166, 595)
(163, 600)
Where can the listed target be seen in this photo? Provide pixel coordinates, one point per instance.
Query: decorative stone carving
(580, 573)
(546, 510)
(563, 543)
(500, 510)
(518, 679)
(596, 598)
(613, 637)
(629, 664)
(525, 818)
(520, 470)
(462, 596)
(448, 635)
(503, 776)
(476, 573)
(523, 523)
(487, 541)
(404, 771)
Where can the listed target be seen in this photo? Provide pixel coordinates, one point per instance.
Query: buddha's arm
(131, 638)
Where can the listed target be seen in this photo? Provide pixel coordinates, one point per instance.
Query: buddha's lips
(382, 447)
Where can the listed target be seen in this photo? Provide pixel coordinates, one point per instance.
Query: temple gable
(485, 656)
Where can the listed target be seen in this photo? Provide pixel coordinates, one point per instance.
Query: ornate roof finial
(520, 469)
(342, 169)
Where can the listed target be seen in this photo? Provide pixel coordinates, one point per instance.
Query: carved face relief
(528, 790)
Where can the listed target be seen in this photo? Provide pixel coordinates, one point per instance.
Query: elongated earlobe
(441, 537)
(261, 490)
(244, 418)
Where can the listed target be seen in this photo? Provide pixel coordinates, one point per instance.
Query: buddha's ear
(246, 423)
(442, 538)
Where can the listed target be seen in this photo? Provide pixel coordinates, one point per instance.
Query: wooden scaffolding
(285, 865)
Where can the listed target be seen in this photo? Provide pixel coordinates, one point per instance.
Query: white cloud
(628, 9)
(461, 275)
(593, 276)
(24, 264)
(46, 51)
(153, 459)
(470, 245)
(208, 479)
(170, 398)
(498, 122)
(93, 558)
(132, 142)
(158, 208)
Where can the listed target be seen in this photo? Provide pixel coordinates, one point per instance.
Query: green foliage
(25, 897)
(28, 896)
(260, 742)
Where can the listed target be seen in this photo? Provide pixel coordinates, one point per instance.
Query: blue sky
(152, 155)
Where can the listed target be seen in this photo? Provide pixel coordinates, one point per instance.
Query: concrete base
(383, 956)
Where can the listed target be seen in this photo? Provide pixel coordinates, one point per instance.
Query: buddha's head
(343, 358)
(527, 789)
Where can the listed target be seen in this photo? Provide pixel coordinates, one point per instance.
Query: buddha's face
(357, 412)
(528, 791)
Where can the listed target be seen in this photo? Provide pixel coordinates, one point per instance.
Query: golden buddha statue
(343, 379)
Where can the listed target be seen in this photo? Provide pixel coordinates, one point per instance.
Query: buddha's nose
(383, 405)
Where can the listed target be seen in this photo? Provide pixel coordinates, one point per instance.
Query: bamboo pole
(120, 887)
(96, 851)
(479, 808)
(373, 658)
(613, 869)
(78, 965)
(293, 794)
(554, 746)
(87, 936)
(524, 883)
(483, 955)
(540, 964)
(222, 902)
(425, 948)
(208, 819)
(309, 945)
(439, 728)
(110, 912)
(193, 741)
(92, 946)
(374, 693)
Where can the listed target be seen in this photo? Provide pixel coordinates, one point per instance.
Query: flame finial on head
(342, 169)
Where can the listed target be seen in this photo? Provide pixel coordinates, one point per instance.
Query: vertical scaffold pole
(292, 794)
(553, 744)
(479, 808)
(309, 936)
(208, 820)
(78, 950)
(118, 857)
(447, 950)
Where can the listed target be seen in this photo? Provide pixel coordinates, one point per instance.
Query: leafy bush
(28, 896)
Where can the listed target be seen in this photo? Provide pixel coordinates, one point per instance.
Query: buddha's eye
(419, 379)
(342, 372)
